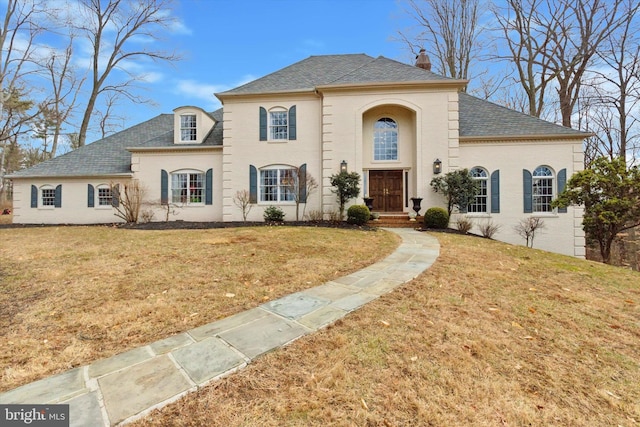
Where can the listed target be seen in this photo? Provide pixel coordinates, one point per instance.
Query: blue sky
(225, 43)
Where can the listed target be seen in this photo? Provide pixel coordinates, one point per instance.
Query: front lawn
(72, 295)
(490, 335)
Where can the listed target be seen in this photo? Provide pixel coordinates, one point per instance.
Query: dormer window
(191, 125)
(188, 128)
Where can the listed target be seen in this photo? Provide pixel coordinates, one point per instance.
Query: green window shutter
(292, 123)
(253, 184)
(90, 196)
(527, 191)
(164, 187)
(562, 182)
(263, 124)
(208, 188)
(57, 202)
(115, 195)
(495, 191)
(302, 183)
(34, 196)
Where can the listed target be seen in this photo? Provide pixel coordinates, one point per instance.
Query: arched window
(479, 203)
(385, 139)
(542, 189)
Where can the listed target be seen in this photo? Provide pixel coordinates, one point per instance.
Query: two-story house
(397, 125)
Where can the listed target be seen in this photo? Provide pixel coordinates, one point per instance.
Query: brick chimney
(423, 61)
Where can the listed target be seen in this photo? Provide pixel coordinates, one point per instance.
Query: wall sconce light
(437, 166)
(343, 166)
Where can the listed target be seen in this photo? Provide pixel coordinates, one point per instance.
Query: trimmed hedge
(358, 214)
(436, 218)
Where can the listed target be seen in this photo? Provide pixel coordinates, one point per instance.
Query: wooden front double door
(385, 187)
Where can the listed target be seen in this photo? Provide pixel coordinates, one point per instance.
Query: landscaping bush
(436, 218)
(488, 229)
(464, 224)
(358, 214)
(273, 214)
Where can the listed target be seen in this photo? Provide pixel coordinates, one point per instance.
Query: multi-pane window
(187, 188)
(278, 125)
(542, 189)
(479, 203)
(48, 197)
(188, 128)
(385, 140)
(105, 196)
(277, 185)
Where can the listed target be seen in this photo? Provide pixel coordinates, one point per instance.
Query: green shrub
(436, 218)
(358, 214)
(273, 214)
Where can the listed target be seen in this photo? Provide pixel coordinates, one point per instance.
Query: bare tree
(107, 116)
(301, 185)
(526, 31)
(450, 30)
(242, 199)
(527, 229)
(613, 99)
(128, 200)
(18, 31)
(112, 27)
(65, 87)
(555, 41)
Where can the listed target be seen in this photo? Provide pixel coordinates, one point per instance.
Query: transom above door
(386, 188)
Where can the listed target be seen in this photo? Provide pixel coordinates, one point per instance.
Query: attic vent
(423, 61)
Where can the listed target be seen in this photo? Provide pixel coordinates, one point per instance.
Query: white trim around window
(188, 128)
(277, 184)
(278, 124)
(47, 197)
(543, 183)
(104, 196)
(385, 140)
(187, 187)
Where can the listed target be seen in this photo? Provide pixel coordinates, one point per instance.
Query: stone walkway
(128, 386)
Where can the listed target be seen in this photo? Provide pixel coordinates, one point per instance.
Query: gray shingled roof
(334, 69)
(480, 118)
(109, 156)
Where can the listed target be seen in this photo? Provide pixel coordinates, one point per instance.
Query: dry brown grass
(491, 335)
(72, 295)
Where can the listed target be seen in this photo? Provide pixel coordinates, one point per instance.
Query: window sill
(261, 203)
(46, 208)
(476, 214)
(545, 215)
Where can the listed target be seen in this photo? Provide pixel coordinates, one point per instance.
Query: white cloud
(193, 90)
